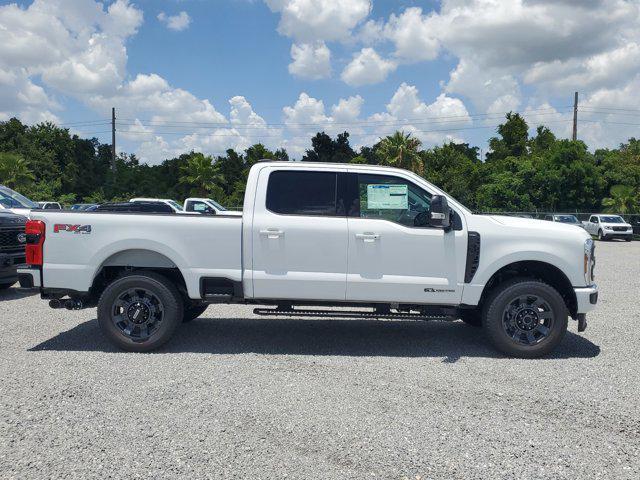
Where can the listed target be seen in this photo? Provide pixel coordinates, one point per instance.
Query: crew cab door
(392, 260)
(592, 225)
(299, 235)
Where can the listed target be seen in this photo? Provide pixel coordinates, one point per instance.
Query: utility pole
(113, 139)
(575, 117)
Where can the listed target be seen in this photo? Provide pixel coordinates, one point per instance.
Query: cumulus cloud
(367, 67)
(75, 47)
(313, 20)
(177, 23)
(433, 123)
(553, 46)
(310, 61)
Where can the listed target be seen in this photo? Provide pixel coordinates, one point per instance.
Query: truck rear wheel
(191, 312)
(525, 318)
(139, 312)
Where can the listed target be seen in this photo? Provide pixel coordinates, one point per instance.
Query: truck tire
(191, 312)
(601, 236)
(140, 311)
(525, 318)
(472, 316)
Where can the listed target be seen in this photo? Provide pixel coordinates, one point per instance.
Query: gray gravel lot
(238, 396)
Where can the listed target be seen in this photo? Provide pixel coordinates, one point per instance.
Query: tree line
(519, 173)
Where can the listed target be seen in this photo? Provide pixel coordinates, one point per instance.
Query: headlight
(589, 260)
(608, 228)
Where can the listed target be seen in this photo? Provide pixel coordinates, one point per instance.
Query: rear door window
(302, 193)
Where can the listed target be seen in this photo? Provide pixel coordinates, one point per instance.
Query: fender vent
(473, 256)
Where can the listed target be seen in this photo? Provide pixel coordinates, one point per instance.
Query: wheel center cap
(527, 319)
(138, 312)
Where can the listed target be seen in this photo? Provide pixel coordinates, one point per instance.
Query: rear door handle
(368, 237)
(272, 233)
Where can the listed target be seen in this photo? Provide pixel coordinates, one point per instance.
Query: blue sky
(208, 75)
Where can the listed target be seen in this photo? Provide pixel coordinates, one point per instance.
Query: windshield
(611, 219)
(566, 219)
(217, 205)
(11, 199)
(175, 204)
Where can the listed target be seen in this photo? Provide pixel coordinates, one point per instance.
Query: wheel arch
(134, 259)
(539, 270)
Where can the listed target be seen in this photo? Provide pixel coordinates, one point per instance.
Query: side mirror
(440, 212)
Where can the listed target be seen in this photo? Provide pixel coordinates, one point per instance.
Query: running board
(277, 312)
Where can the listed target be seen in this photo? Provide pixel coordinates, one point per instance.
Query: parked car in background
(206, 206)
(49, 206)
(175, 206)
(83, 206)
(14, 202)
(12, 246)
(607, 227)
(142, 207)
(563, 218)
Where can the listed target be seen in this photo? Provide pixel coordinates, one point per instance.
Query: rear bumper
(586, 298)
(29, 277)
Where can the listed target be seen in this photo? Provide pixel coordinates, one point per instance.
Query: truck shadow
(451, 340)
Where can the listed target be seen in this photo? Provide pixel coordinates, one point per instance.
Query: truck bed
(78, 245)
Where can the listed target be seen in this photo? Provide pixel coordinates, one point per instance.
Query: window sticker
(387, 197)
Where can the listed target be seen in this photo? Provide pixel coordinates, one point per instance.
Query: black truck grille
(619, 229)
(10, 239)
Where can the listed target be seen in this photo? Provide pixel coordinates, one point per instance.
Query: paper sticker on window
(387, 197)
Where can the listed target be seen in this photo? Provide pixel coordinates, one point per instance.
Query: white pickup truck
(314, 236)
(207, 206)
(607, 227)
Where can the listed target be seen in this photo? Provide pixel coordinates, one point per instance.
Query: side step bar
(276, 312)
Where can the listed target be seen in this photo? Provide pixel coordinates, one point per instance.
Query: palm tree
(200, 173)
(401, 150)
(14, 171)
(623, 200)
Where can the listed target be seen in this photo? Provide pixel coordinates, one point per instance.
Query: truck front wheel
(525, 318)
(140, 311)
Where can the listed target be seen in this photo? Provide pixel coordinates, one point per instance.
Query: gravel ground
(237, 396)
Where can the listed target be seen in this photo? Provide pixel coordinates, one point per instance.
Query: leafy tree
(624, 199)
(401, 150)
(326, 149)
(199, 173)
(456, 169)
(514, 136)
(14, 171)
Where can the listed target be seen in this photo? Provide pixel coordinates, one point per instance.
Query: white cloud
(432, 123)
(367, 67)
(414, 35)
(404, 111)
(177, 23)
(310, 61)
(312, 20)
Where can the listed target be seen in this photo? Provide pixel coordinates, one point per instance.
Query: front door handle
(368, 237)
(272, 233)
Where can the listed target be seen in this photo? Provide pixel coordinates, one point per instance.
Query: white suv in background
(607, 227)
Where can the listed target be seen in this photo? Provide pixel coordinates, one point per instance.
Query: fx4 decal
(82, 229)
